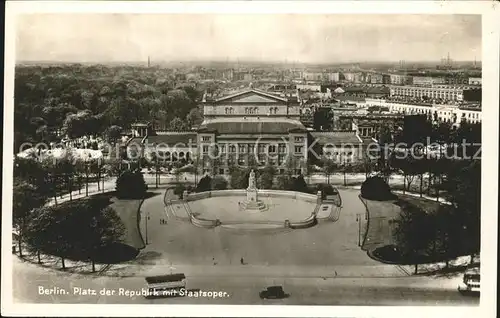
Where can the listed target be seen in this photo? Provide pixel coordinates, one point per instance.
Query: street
(243, 290)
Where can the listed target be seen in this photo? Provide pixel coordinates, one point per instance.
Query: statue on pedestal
(252, 202)
(251, 181)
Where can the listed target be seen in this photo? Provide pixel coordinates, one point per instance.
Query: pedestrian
(242, 261)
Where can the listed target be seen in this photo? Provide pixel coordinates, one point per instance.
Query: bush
(239, 178)
(299, 184)
(205, 184)
(219, 183)
(179, 190)
(375, 188)
(326, 189)
(131, 185)
(284, 182)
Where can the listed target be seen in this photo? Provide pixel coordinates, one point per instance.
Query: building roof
(378, 90)
(349, 98)
(134, 140)
(251, 95)
(336, 137)
(353, 89)
(252, 127)
(173, 138)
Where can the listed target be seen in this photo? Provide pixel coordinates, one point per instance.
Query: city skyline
(291, 38)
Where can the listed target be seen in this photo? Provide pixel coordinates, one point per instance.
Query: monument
(252, 202)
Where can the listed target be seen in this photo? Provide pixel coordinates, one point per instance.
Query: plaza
(226, 209)
(325, 245)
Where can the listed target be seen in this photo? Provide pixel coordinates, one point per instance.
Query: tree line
(84, 100)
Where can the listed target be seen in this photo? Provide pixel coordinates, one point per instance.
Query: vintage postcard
(324, 159)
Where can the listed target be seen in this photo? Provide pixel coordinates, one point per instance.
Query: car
(273, 292)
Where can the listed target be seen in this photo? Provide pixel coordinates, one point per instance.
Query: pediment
(253, 97)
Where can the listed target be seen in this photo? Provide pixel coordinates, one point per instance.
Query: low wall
(204, 222)
(310, 221)
(262, 193)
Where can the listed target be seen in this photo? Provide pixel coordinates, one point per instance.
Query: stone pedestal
(252, 195)
(252, 202)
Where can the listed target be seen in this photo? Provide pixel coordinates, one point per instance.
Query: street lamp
(358, 219)
(146, 224)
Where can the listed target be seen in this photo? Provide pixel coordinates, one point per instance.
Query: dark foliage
(375, 188)
(131, 185)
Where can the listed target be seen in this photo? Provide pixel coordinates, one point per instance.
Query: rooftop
(336, 137)
(252, 126)
(172, 138)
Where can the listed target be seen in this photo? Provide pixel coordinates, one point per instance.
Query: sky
(70, 37)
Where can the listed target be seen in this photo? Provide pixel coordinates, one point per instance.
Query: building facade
(248, 128)
(443, 92)
(475, 81)
(427, 80)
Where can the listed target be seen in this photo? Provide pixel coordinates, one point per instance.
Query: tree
(219, 183)
(284, 182)
(83, 229)
(113, 133)
(194, 117)
(25, 199)
(131, 185)
(411, 235)
(266, 177)
(205, 184)
(463, 190)
(179, 190)
(375, 188)
(239, 178)
(104, 230)
(299, 184)
(177, 124)
(410, 168)
(45, 232)
(329, 168)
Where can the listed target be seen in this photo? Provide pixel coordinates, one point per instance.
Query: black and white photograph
(202, 155)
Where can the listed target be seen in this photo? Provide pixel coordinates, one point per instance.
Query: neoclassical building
(250, 127)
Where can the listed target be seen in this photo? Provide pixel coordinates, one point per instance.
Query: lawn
(127, 210)
(380, 225)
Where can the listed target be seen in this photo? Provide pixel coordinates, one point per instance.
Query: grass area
(380, 223)
(127, 210)
(426, 205)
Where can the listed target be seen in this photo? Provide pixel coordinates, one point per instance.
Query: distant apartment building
(309, 87)
(456, 80)
(333, 77)
(228, 75)
(441, 113)
(400, 79)
(248, 77)
(376, 79)
(353, 77)
(427, 80)
(312, 76)
(475, 81)
(450, 93)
